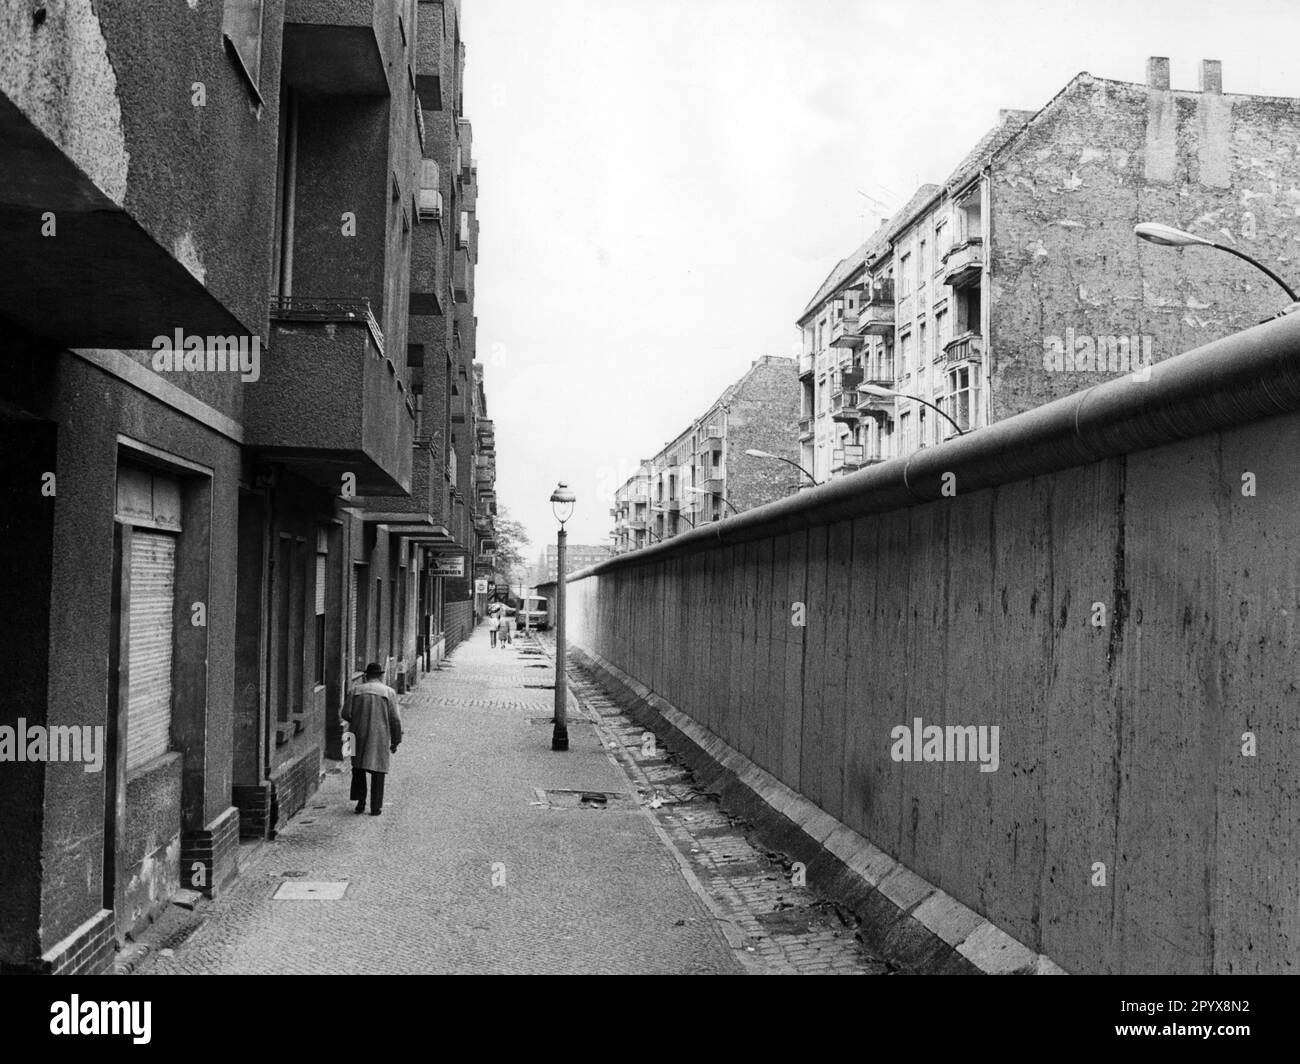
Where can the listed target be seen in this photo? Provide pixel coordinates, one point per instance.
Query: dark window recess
(429, 88)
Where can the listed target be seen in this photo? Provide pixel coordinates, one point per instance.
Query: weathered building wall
(763, 415)
(1124, 622)
(1099, 159)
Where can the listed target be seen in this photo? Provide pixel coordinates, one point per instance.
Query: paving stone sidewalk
(467, 871)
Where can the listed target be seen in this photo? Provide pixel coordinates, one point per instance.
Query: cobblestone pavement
(488, 859)
(466, 870)
(780, 928)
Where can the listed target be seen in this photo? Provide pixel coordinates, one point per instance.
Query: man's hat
(374, 669)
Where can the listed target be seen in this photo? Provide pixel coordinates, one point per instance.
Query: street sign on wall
(447, 565)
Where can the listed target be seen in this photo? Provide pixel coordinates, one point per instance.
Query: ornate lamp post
(562, 502)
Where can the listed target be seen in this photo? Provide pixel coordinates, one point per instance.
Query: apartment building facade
(227, 433)
(1019, 279)
(704, 474)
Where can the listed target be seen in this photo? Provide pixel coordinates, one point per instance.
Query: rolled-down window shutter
(149, 698)
(356, 594)
(320, 584)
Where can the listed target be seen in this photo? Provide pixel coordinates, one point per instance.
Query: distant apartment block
(576, 556)
(704, 473)
(1019, 279)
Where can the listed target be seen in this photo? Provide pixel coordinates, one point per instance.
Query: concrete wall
(1123, 621)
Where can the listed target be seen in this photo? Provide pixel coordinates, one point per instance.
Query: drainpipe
(290, 194)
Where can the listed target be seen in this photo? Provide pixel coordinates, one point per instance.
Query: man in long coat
(377, 729)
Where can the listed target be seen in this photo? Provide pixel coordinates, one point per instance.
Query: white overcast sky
(665, 183)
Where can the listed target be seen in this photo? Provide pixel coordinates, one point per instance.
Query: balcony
(338, 47)
(807, 364)
(966, 348)
(876, 314)
(805, 427)
(844, 330)
(329, 402)
(877, 406)
(103, 281)
(964, 263)
(848, 458)
(844, 406)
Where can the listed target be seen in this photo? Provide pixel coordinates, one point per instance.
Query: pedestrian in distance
(376, 726)
(507, 612)
(494, 623)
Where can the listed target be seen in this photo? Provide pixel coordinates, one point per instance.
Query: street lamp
(753, 453)
(889, 393)
(661, 510)
(1169, 237)
(718, 494)
(562, 500)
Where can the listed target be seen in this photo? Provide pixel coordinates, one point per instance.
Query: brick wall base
(210, 857)
(87, 951)
(459, 622)
(254, 805)
(291, 785)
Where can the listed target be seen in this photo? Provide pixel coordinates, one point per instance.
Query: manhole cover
(564, 799)
(311, 890)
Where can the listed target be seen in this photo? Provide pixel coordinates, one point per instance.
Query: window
(961, 397)
(905, 276)
(922, 343)
(941, 329)
(922, 264)
(241, 24)
(430, 190)
(463, 240)
(905, 430)
(322, 571)
(905, 354)
(942, 240)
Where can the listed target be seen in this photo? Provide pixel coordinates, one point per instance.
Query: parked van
(535, 612)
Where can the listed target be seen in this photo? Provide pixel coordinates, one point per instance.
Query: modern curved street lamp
(562, 503)
(1169, 237)
(889, 393)
(661, 510)
(716, 494)
(755, 453)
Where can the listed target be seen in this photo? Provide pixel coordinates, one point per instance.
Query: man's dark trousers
(376, 788)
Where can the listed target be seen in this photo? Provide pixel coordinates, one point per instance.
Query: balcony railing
(964, 263)
(968, 347)
(844, 405)
(805, 427)
(849, 457)
(328, 309)
(361, 422)
(876, 314)
(844, 331)
(807, 364)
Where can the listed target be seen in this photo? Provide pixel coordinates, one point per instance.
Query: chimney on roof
(1158, 72)
(1212, 76)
